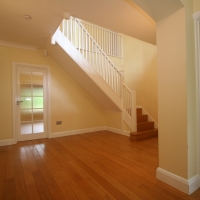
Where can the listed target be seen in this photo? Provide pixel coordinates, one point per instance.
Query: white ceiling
(119, 15)
(159, 9)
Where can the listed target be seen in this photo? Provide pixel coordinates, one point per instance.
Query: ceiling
(119, 15)
(159, 9)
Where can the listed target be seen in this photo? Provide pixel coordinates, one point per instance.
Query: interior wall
(172, 94)
(113, 119)
(196, 5)
(69, 102)
(191, 89)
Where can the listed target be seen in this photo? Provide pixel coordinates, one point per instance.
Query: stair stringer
(85, 74)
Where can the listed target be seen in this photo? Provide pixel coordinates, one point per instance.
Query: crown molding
(16, 45)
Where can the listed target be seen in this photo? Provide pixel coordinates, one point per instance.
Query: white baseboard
(76, 132)
(149, 116)
(7, 142)
(72, 132)
(118, 131)
(184, 185)
(88, 130)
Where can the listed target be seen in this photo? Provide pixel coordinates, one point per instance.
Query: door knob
(18, 102)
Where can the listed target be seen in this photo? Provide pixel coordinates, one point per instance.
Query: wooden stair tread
(143, 132)
(145, 128)
(143, 135)
(141, 115)
(148, 122)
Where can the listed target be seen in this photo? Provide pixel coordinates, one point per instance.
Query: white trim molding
(118, 131)
(19, 46)
(7, 142)
(184, 185)
(71, 132)
(88, 130)
(196, 18)
(76, 132)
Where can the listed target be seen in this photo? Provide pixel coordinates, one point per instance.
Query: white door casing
(31, 102)
(196, 17)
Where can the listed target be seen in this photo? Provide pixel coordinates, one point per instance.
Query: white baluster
(92, 52)
(75, 39)
(86, 44)
(79, 37)
(82, 40)
(63, 27)
(67, 28)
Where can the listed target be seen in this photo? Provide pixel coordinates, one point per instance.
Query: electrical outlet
(58, 122)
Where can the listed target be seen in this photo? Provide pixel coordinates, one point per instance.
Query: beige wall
(191, 89)
(113, 119)
(69, 102)
(172, 94)
(196, 5)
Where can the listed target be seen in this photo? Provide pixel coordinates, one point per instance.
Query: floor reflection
(29, 128)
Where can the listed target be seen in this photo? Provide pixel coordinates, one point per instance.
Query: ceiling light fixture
(27, 17)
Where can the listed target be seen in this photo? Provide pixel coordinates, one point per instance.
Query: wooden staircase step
(142, 118)
(145, 126)
(139, 111)
(143, 135)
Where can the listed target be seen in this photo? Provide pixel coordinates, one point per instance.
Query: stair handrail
(101, 34)
(87, 46)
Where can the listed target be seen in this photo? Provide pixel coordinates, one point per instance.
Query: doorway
(31, 119)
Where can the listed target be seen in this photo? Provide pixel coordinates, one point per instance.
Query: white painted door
(31, 103)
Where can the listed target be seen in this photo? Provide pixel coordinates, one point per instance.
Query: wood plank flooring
(100, 165)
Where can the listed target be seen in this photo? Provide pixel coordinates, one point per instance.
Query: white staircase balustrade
(110, 42)
(92, 52)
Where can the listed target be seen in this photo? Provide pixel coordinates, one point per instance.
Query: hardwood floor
(100, 165)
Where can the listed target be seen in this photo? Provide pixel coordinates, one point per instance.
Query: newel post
(133, 112)
(53, 40)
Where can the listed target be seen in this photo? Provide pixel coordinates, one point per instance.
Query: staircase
(88, 48)
(145, 128)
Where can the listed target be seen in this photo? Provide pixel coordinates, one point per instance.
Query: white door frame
(196, 17)
(15, 66)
